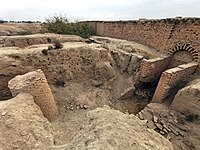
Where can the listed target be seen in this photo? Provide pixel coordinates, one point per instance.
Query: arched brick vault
(185, 47)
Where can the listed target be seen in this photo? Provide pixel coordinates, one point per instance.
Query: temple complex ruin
(134, 85)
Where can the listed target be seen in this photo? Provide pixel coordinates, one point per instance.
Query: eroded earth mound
(24, 127)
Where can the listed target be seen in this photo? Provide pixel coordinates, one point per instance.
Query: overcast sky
(98, 9)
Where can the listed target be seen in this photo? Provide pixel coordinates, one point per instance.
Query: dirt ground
(88, 82)
(24, 127)
(10, 29)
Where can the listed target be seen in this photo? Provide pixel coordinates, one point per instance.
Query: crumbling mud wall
(76, 62)
(35, 83)
(162, 34)
(170, 78)
(12, 29)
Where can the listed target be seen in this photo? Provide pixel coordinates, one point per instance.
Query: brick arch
(185, 47)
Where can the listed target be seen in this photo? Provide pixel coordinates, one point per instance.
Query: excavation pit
(82, 76)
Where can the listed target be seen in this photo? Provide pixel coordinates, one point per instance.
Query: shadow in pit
(5, 94)
(141, 96)
(145, 90)
(131, 104)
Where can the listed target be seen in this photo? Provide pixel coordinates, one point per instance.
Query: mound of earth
(188, 98)
(23, 41)
(8, 29)
(23, 125)
(108, 129)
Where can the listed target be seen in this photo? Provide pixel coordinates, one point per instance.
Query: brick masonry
(153, 68)
(35, 83)
(163, 34)
(177, 37)
(170, 78)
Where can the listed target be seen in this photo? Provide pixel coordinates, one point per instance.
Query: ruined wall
(153, 68)
(74, 62)
(170, 78)
(160, 34)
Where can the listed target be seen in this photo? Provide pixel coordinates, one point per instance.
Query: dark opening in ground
(5, 94)
(145, 90)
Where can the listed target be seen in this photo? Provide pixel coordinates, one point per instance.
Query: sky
(38, 10)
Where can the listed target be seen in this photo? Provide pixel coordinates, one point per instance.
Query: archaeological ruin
(134, 85)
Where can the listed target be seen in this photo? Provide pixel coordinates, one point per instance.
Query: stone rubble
(164, 122)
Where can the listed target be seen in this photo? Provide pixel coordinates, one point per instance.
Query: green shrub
(56, 24)
(2, 21)
(62, 25)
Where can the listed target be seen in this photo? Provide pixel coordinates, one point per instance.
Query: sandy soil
(24, 127)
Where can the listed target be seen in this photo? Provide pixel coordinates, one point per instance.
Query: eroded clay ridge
(23, 41)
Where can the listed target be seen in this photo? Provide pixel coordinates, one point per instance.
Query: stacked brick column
(36, 84)
(170, 78)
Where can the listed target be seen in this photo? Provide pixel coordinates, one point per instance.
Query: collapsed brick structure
(36, 84)
(170, 78)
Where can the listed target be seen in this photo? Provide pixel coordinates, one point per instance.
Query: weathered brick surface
(171, 78)
(150, 69)
(160, 34)
(35, 83)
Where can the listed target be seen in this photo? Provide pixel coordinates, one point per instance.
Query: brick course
(160, 34)
(153, 68)
(170, 78)
(35, 83)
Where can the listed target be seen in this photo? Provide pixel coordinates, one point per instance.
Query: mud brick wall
(153, 68)
(171, 78)
(35, 83)
(160, 34)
